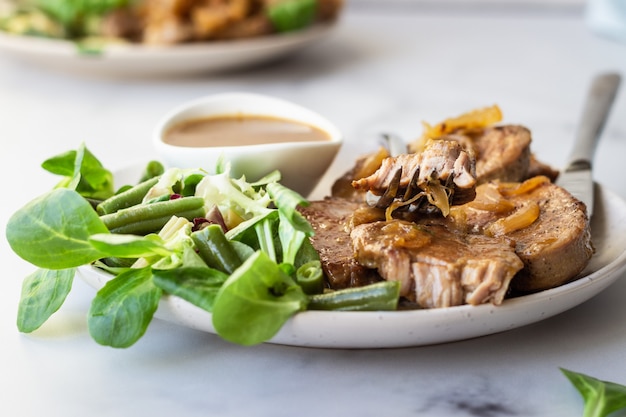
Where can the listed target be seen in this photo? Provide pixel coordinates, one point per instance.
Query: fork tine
(392, 190)
(410, 189)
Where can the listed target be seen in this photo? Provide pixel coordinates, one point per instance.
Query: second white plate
(183, 59)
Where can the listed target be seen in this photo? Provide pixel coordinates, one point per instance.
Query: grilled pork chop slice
(330, 219)
(555, 246)
(502, 153)
(435, 266)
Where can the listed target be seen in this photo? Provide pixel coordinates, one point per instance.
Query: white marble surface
(380, 71)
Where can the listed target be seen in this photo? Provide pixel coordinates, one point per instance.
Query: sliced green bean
(380, 296)
(149, 218)
(127, 198)
(310, 277)
(215, 249)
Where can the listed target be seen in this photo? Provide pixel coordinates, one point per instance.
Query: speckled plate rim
(129, 59)
(366, 330)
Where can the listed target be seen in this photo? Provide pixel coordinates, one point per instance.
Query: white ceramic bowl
(302, 164)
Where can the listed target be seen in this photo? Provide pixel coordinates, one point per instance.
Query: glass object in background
(607, 18)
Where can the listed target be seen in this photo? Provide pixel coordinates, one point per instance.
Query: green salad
(237, 249)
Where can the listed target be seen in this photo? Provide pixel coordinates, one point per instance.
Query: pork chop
(466, 257)
(555, 247)
(330, 219)
(501, 152)
(435, 266)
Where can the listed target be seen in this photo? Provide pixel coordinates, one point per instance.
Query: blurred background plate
(184, 59)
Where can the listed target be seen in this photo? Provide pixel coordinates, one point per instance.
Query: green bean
(93, 202)
(149, 218)
(164, 197)
(311, 277)
(144, 227)
(152, 169)
(127, 198)
(374, 297)
(115, 262)
(215, 249)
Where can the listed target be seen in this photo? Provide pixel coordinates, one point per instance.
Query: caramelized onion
(516, 188)
(475, 119)
(523, 217)
(371, 163)
(396, 204)
(438, 196)
(365, 215)
(488, 198)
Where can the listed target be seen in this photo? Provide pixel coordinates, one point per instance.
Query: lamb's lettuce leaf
(194, 281)
(255, 301)
(43, 293)
(82, 172)
(53, 231)
(129, 246)
(601, 397)
(122, 310)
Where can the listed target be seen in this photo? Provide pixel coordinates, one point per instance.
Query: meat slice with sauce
(437, 267)
(527, 236)
(502, 153)
(330, 219)
(549, 226)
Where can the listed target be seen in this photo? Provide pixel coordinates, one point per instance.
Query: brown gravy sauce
(241, 130)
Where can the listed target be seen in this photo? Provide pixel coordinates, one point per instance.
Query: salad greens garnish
(122, 309)
(43, 293)
(291, 15)
(237, 249)
(53, 231)
(601, 397)
(77, 17)
(83, 172)
(270, 295)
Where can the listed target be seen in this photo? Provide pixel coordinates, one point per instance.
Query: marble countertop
(381, 70)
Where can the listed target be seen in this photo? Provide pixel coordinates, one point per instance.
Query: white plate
(424, 327)
(138, 60)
